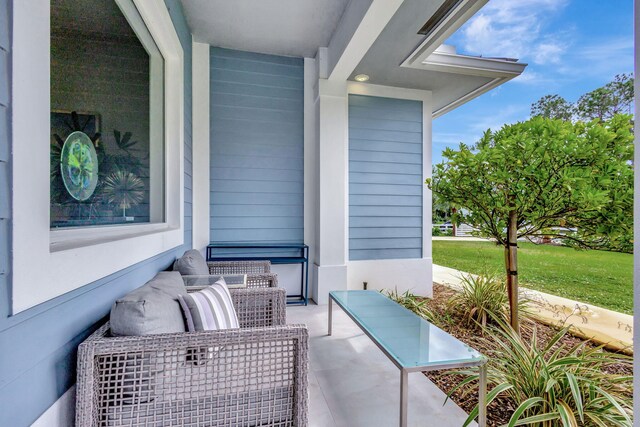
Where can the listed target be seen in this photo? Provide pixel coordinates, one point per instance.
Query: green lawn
(597, 277)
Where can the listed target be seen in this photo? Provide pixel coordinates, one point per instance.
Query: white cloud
(548, 52)
(533, 77)
(480, 120)
(528, 77)
(495, 118)
(607, 49)
(603, 59)
(514, 28)
(452, 139)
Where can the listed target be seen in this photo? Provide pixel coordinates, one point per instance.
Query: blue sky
(571, 46)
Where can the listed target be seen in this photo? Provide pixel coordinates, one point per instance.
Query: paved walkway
(460, 239)
(589, 321)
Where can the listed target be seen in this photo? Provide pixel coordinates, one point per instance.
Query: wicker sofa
(252, 376)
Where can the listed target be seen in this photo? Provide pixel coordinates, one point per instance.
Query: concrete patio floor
(352, 383)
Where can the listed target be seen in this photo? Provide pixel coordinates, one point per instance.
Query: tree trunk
(453, 223)
(511, 264)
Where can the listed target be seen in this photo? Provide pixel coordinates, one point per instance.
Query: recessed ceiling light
(361, 78)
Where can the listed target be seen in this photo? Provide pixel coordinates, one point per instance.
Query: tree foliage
(441, 209)
(616, 97)
(552, 107)
(551, 172)
(542, 175)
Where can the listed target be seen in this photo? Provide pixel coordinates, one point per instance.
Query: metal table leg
(330, 313)
(404, 397)
(482, 397)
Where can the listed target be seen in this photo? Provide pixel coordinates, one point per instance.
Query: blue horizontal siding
(257, 147)
(388, 168)
(385, 211)
(385, 178)
(221, 211)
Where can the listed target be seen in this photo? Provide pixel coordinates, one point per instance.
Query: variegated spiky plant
(555, 384)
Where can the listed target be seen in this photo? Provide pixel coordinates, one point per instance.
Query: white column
(311, 165)
(330, 270)
(200, 178)
(427, 198)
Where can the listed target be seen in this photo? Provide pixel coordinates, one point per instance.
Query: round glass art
(79, 166)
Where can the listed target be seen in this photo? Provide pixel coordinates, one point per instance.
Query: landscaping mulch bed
(501, 409)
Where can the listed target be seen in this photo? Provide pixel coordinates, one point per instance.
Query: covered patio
(192, 122)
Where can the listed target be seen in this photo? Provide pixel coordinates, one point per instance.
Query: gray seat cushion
(150, 309)
(191, 263)
(257, 407)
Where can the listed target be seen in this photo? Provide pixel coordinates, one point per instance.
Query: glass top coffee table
(409, 341)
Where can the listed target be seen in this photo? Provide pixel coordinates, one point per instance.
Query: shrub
(435, 231)
(555, 385)
(481, 299)
(414, 303)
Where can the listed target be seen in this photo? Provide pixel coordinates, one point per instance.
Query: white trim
(333, 127)
(369, 28)
(201, 147)
(156, 109)
(413, 275)
(61, 413)
(499, 70)
(73, 238)
(358, 88)
(462, 13)
(471, 65)
(427, 57)
(468, 97)
(49, 263)
(427, 199)
(310, 163)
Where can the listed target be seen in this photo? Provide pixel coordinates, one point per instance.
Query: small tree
(530, 177)
(441, 209)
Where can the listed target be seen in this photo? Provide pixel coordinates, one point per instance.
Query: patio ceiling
(278, 27)
(379, 38)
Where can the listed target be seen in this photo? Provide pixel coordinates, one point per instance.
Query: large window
(119, 65)
(106, 116)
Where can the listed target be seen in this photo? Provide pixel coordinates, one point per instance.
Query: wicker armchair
(252, 376)
(258, 272)
(265, 280)
(239, 267)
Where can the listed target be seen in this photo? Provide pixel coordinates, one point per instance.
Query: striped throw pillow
(209, 309)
